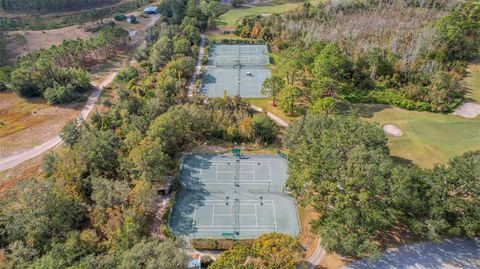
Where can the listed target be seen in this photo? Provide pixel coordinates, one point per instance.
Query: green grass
(267, 106)
(428, 138)
(231, 16)
(472, 82)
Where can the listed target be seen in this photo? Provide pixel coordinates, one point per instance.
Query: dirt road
(13, 160)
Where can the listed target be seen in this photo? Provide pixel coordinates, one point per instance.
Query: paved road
(198, 67)
(316, 256)
(14, 160)
(274, 117)
(450, 253)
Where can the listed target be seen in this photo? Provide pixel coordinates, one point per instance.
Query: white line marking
(194, 214)
(256, 217)
(274, 216)
(213, 214)
(226, 214)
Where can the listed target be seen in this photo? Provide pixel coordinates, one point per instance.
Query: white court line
(213, 214)
(216, 172)
(269, 171)
(256, 216)
(245, 215)
(241, 201)
(249, 226)
(274, 216)
(233, 161)
(194, 214)
(249, 182)
(243, 204)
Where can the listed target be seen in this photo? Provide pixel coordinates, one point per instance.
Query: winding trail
(198, 67)
(16, 159)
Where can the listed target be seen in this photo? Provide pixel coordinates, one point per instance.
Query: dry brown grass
(26, 123)
(306, 237)
(36, 40)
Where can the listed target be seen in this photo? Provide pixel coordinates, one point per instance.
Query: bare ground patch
(35, 40)
(28, 123)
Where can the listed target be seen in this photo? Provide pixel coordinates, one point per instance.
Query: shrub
(262, 129)
(59, 94)
(3, 87)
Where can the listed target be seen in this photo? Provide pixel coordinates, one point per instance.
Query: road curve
(16, 159)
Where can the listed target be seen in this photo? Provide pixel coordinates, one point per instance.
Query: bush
(126, 74)
(3, 87)
(218, 244)
(60, 94)
(262, 129)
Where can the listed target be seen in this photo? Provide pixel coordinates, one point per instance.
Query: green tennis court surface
(238, 69)
(226, 197)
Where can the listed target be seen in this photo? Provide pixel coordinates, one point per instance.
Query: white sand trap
(392, 130)
(468, 110)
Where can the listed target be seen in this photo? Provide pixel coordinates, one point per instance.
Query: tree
(291, 69)
(142, 198)
(70, 132)
(272, 86)
(152, 253)
(340, 165)
(324, 106)
(262, 129)
(182, 47)
(332, 63)
(274, 250)
(161, 52)
(288, 97)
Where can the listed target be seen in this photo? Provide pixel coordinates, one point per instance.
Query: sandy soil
(468, 110)
(43, 39)
(27, 123)
(392, 130)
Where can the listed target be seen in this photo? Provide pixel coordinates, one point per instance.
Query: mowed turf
(472, 82)
(428, 138)
(231, 16)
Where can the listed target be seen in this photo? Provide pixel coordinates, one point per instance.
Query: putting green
(428, 138)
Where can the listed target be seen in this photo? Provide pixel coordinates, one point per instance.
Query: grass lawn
(428, 138)
(231, 16)
(472, 82)
(266, 105)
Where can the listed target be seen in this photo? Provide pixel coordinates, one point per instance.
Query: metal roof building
(150, 10)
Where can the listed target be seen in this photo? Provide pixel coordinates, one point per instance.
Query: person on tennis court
(249, 74)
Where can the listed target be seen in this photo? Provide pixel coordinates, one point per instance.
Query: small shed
(163, 187)
(150, 10)
(131, 19)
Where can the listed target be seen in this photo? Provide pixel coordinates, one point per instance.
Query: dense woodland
(31, 6)
(57, 74)
(341, 166)
(410, 54)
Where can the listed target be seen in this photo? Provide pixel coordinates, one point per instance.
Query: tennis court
(237, 69)
(227, 197)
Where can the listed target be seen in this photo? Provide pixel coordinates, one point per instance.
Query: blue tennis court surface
(236, 69)
(243, 198)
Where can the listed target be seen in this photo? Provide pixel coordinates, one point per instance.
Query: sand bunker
(392, 130)
(468, 110)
